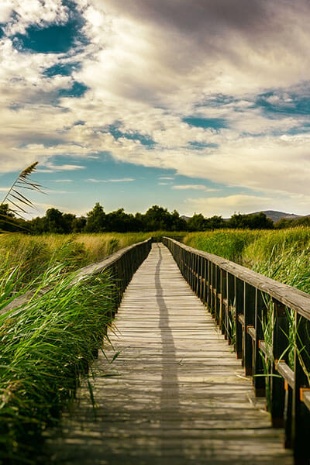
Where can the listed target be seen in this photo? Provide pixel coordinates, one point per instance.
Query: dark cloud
(194, 16)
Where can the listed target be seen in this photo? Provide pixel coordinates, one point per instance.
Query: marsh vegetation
(48, 343)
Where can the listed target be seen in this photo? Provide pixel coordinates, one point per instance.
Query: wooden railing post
(216, 292)
(258, 366)
(239, 319)
(300, 413)
(249, 309)
(209, 286)
(231, 308)
(224, 303)
(280, 344)
(204, 281)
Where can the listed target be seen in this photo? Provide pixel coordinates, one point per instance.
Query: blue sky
(198, 106)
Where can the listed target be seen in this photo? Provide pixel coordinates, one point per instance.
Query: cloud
(197, 187)
(138, 77)
(110, 180)
(244, 203)
(214, 47)
(50, 167)
(19, 15)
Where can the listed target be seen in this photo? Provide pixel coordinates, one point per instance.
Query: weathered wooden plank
(174, 395)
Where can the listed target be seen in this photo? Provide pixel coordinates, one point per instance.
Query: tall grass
(46, 346)
(279, 254)
(283, 255)
(33, 255)
(228, 244)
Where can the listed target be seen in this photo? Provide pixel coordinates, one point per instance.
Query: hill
(277, 216)
(272, 214)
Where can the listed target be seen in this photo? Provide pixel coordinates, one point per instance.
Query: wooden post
(209, 284)
(280, 345)
(216, 292)
(212, 287)
(204, 280)
(199, 277)
(249, 312)
(221, 291)
(231, 308)
(239, 312)
(288, 412)
(258, 366)
(300, 413)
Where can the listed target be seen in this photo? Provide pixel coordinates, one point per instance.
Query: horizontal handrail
(268, 323)
(287, 295)
(121, 265)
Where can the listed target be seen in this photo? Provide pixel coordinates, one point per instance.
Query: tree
(68, 221)
(177, 223)
(251, 221)
(79, 224)
(216, 222)
(96, 219)
(158, 219)
(54, 221)
(119, 221)
(197, 223)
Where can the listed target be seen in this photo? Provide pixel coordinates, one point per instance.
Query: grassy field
(283, 255)
(30, 256)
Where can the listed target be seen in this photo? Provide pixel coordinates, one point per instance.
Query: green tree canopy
(96, 219)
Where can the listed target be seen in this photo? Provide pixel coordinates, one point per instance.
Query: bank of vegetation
(283, 255)
(48, 344)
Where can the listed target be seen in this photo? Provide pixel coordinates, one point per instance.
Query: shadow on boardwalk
(175, 394)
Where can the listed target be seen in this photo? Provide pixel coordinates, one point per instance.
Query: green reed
(283, 255)
(47, 345)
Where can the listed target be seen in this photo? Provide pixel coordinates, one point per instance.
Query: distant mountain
(277, 216)
(186, 218)
(272, 214)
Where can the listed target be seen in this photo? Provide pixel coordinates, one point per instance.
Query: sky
(198, 106)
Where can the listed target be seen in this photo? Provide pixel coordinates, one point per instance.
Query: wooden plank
(174, 395)
(286, 372)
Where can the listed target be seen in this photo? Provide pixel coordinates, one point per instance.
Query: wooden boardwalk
(175, 394)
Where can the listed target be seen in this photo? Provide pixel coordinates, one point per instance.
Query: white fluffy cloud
(18, 15)
(245, 203)
(147, 65)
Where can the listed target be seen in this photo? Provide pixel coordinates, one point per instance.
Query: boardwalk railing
(269, 325)
(121, 266)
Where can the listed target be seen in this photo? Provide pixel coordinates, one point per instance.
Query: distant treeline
(155, 219)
